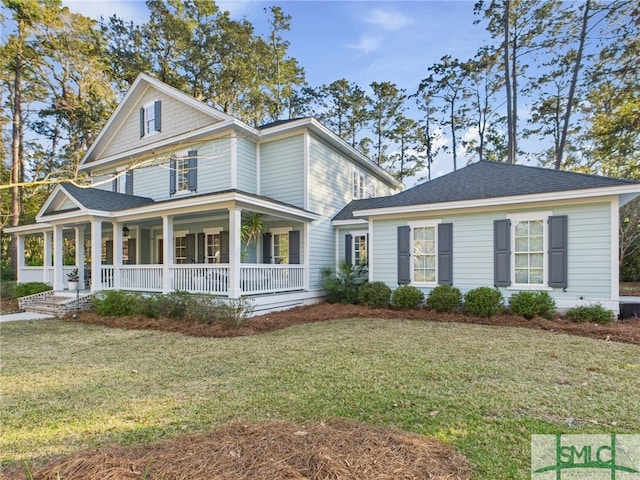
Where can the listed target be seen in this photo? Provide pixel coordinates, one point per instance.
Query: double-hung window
(529, 252)
(183, 172)
(180, 248)
(213, 246)
(424, 252)
(281, 247)
(182, 175)
(150, 118)
(358, 185)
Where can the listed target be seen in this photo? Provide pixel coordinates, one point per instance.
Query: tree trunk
(16, 160)
(507, 81)
(572, 88)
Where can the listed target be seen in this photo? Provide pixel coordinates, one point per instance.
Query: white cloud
(366, 44)
(388, 20)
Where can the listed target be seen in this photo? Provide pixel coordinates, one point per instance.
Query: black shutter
(404, 255)
(445, 254)
(294, 247)
(200, 247)
(558, 251)
(191, 248)
(131, 251)
(129, 182)
(502, 253)
(172, 176)
(266, 247)
(348, 247)
(141, 122)
(156, 116)
(224, 246)
(192, 166)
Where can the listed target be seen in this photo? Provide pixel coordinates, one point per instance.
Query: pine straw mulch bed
(627, 331)
(338, 449)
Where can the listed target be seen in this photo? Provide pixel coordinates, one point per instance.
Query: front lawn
(482, 389)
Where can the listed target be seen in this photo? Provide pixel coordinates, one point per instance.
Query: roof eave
(630, 191)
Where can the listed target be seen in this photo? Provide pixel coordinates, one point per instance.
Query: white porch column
(167, 252)
(235, 222)
(48, 250)
(96, 255)
(306, 257)
(117, 253)
(80, 255)
(58, 259)
(20, 260)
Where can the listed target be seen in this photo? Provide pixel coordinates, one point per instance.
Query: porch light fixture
(125, 231)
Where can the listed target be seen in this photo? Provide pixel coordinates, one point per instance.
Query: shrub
(203, 308)
(170, 305)
(117, 303)
(6, 271)
(30, 288)
(343, 286)
(7, 289)
(592, 313)
(406, 297)
(530, 304)
(235, 311)
(444, 299)
(374, 295)
(483, 302)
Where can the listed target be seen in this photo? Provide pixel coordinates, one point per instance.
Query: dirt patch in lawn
(627, 331)
(338, 449)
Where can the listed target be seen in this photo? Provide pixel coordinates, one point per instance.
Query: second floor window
(183, 173)
(150, 121)
(358, 185)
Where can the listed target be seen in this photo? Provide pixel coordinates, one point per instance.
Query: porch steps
(55, 303)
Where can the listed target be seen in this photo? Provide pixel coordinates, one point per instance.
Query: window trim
(354, 234)
(424, 224)
(179, 234)
(274, 232)
(207, 232)
(149, 106)
(514, 218)
(358, 189)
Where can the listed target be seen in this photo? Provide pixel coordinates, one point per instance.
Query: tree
(446, 82)
(406, 161)
(344, 109)
(429, 129)
(387, 103)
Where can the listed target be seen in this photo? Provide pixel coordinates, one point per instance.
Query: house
(174, 182)
(514, 227)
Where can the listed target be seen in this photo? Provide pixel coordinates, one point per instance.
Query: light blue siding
(282, 170)
(589, 250)
(214, 166)
(247, 170)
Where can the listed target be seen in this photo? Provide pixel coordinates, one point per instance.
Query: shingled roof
(96, 199)
(483, 180)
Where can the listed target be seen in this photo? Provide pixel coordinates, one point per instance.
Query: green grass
(482, 389)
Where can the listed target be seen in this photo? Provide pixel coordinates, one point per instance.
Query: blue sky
(362, 41)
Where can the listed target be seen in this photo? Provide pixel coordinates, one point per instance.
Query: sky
(361, 41)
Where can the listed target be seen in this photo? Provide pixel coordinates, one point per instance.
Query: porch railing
(212, 278)
(255, 279)
(259, 278)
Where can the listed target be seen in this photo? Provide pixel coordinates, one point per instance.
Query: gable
(179, 114)
(176, 118)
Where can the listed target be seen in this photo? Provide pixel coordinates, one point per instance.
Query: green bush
(6, 271)
(592, 313)
(235, 311)
(203, 308)
(7, 289)
(483, 302)
(529, 304)
(117, 303)
(444, 299)
(374, 295)
(406, 297)
(170, 305)
(343, 286)
(30, 288)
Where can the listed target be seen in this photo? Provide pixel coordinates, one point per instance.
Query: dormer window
(150, 118)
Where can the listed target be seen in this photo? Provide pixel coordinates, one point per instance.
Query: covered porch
(198, 245)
